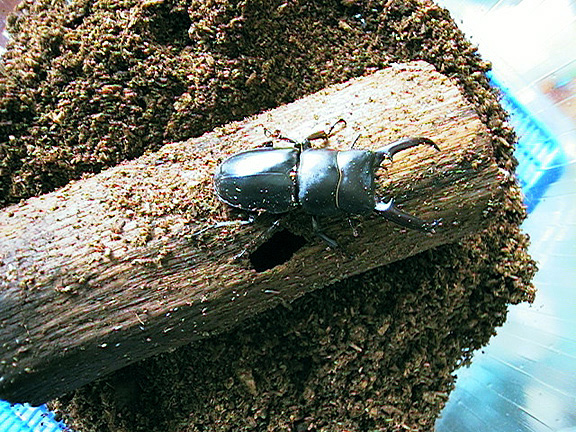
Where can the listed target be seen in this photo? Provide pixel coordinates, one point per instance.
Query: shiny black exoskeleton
(324, 182)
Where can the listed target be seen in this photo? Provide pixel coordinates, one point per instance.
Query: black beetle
(324, 182)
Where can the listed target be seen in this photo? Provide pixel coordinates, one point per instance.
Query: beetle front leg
(222, 224)
(323, 134)
(270, 231)
(276, 135)
(388, 151)
(394, 214)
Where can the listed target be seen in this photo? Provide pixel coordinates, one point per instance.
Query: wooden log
(111, 269)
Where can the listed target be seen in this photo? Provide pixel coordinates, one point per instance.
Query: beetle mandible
(324, 182)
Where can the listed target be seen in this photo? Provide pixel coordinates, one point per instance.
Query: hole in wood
(276, 250)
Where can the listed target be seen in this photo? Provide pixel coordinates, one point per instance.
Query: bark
(120, 266)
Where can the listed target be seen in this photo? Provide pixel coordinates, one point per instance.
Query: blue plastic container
(24, 418)
(541, 160)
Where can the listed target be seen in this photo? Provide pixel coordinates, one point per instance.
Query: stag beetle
(324, 182)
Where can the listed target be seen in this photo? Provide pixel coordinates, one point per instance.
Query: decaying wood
(111, 269)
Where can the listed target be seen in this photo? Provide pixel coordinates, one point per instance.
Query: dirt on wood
(85, 85)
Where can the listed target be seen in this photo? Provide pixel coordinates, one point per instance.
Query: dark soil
(86, 85)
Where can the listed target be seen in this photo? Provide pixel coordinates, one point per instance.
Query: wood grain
(110, 269)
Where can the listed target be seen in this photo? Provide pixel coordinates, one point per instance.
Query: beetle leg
(270, 231)
(387, 152)
(394, 214)
(355, 141)
(318, 231)
(331, 130)
(353, 227)
(323, 134)
(221, 224)
(276, 135)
